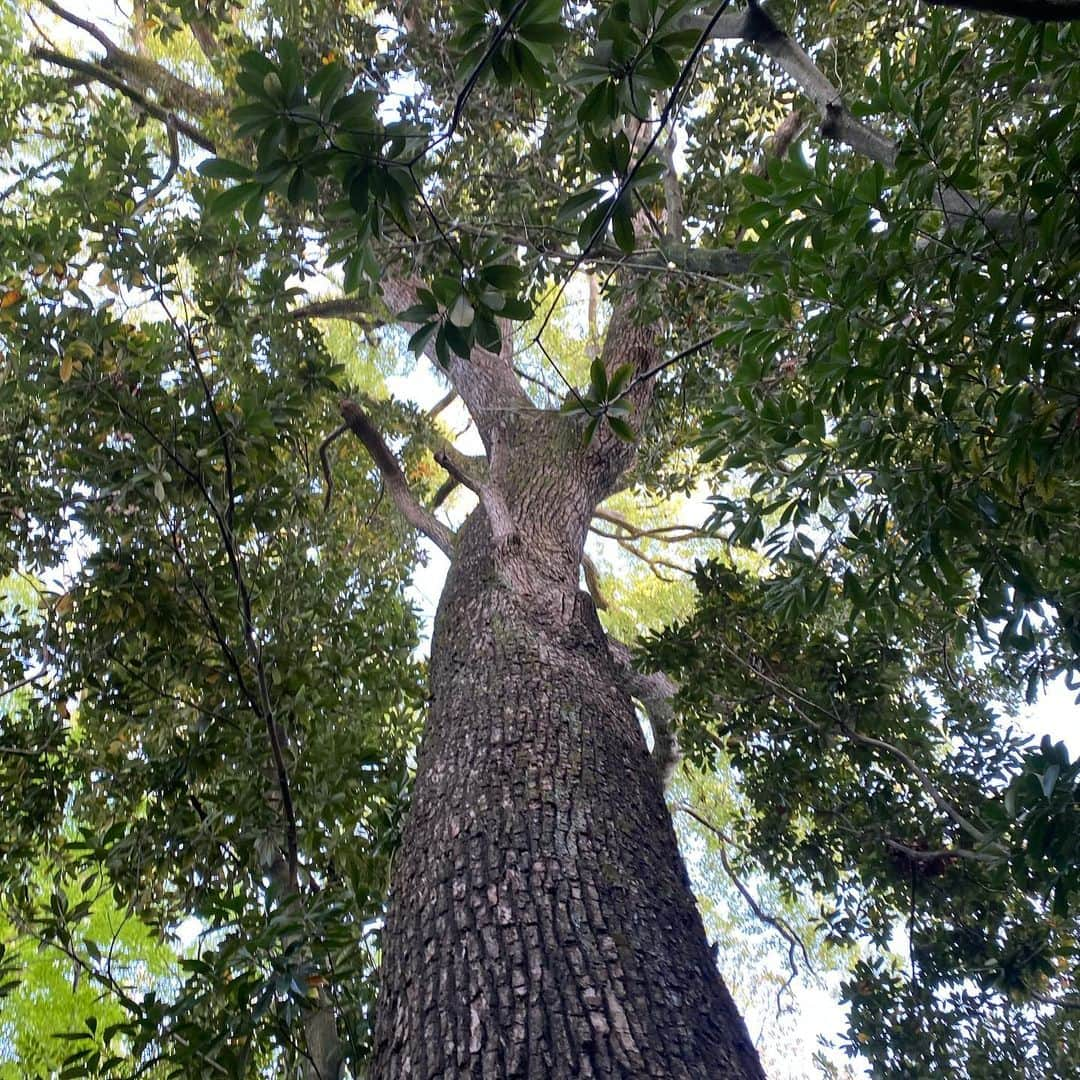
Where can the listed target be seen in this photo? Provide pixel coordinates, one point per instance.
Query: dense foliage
(860, 242)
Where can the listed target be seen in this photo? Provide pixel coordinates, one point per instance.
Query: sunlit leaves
(305, 132)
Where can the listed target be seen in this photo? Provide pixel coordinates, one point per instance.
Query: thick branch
(757, 27)
(500, 519)
(114, 82)
(173, 91)
(349, 308)
(415, 514)
(656, 693)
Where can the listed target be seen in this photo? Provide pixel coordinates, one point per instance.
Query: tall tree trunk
(541, 922)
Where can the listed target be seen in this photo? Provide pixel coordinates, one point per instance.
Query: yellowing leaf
(79, 350)
(11, 297)
(67, 365)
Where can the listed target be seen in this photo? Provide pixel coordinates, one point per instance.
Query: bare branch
(503, 529)
(172, 91)
(444, 402)
(781, 925)
(170, 172)
(349, 308)
(409, 507)
(668, 534)
(941, 856)
(328, 476)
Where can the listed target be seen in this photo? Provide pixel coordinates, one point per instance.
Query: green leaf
(620, 379)
(460, 340)
(598, 381)
(1050, 778)
(623, 228)
(422, 338)
(576, 203)
(232, 199)
(224, 169)
(501, 276)
(462, 313)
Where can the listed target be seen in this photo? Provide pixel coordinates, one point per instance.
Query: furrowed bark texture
(541, 922)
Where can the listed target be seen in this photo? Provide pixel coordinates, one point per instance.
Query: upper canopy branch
(114, 82)
(172, 91)
(757, 27)
(1035, 10)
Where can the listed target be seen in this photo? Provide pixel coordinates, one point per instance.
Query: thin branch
(444, 402)
(328, 476)
(472, 80)
(33, 677)
(779, 924)
(793, 697)
(170, 172)
(626, 182)
(1057, 1003)
(943, 855)
(90, 28)
(409, 507)
(668, 534)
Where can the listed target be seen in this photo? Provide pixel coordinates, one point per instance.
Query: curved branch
(779, 924)
(408, 505)
(170, 172)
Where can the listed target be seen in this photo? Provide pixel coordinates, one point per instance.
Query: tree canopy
(226, 227)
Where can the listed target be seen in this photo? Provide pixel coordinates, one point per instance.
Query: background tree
(836, 253)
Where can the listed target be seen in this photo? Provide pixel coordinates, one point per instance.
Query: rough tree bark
(541, 922)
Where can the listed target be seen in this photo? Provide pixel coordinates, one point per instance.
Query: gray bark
(541, 922)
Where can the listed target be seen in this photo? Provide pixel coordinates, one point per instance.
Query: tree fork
(541, 921)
